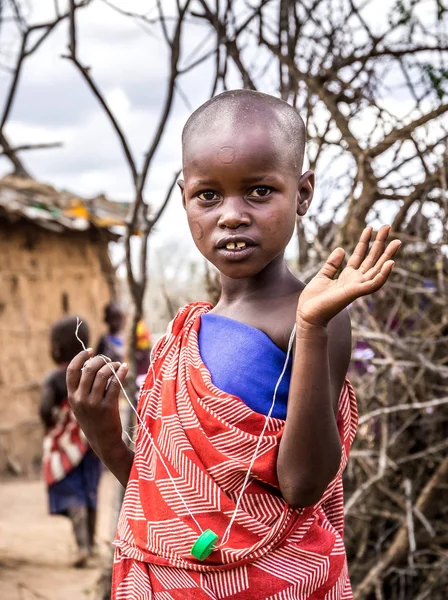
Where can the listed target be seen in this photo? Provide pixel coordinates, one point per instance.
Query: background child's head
(242, 164)
(64, 345)
(114, 316)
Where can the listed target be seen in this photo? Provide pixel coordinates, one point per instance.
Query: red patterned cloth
(64, 445)
(207, 439)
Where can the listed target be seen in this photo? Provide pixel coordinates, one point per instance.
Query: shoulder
(188, 313)
(185, 317)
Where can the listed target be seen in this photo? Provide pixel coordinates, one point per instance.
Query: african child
(246, 417)
(71, 469)
(111, 344)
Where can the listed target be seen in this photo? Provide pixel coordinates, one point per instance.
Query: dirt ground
(36, 550)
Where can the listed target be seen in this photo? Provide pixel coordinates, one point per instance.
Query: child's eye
(207, 196)
(260, 192)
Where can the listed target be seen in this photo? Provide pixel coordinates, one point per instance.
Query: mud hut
(54, 262)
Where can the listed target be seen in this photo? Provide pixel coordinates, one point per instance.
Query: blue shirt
(243, 361)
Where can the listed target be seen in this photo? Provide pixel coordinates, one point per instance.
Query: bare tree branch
(405, 131)
(46, 146)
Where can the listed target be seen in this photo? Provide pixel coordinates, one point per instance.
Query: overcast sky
(53, 104)
(130, 65)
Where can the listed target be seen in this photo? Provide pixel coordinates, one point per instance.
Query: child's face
(115, 319)
(241, 188)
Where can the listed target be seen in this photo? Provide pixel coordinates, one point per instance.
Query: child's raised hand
(93, 393)
(366, 272)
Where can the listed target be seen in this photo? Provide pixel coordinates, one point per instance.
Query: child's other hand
(366, 272)
(93, 393)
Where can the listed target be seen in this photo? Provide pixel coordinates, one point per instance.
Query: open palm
(366, 272)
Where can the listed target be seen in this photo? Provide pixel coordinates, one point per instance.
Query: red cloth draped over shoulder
(203, 440)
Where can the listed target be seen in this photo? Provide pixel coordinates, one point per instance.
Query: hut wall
(43, 276)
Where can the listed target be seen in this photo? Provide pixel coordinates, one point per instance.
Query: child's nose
(233, 214)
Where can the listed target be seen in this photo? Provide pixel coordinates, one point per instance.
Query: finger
(361, 249)
(333, 264)
(89, 372)
(101, 380)
(113, 391)
(369, 287)
(377, 249)
(388, 254)
(74, 371)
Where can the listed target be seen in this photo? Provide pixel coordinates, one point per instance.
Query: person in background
(142, 352)
(111, 344)
(71, 469)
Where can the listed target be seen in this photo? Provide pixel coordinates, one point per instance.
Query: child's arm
(95, 405)
(310, 449)
(48, 402)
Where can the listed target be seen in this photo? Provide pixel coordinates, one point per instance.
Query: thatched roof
(57, 210)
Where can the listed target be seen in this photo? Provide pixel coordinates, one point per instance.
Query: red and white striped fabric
(64, 446)
(207, 439)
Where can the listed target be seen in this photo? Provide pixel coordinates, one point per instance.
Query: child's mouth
(236, 246)
(232, 247)
(236, 251)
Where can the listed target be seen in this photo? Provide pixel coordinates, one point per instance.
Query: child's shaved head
(64, 344)
(244, 110)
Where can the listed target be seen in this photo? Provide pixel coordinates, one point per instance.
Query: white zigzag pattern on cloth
(163, 596)
(136, 586)
(173, 536)
(149, 405)
(146, 460)
(297, 534)
(332, 509)
(185, 407)
(248, 522)
(229, 475)
(338, 546)
(290, 593)
(173, 579)
(265, 509)
(226, 583)
(338, 590)
(172, 441)
(189, 357)
(240, 446)
(297, 566)
(171, 365)
(347, 594)
(131, 503)
(198, 490)
(124, 530)
(225, 412)
(207, 590)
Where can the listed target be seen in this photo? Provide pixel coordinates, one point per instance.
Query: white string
(226, 535)
(145, 430)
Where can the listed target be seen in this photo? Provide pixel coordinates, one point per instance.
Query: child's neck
(275, 281)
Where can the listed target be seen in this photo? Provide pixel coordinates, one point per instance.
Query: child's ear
(181, 184)
(305, 193)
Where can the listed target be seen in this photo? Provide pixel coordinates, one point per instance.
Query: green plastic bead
(204, 545)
